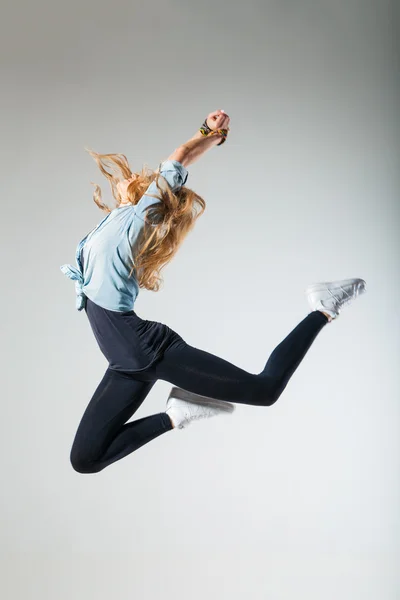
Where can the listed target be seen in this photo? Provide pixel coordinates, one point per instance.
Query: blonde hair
(166, 223)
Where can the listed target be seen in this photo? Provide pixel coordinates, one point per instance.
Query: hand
(218, 120)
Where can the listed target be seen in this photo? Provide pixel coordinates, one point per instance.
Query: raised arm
(191, 151)
(176, 174)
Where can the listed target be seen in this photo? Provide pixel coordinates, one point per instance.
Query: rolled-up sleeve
(174, 173)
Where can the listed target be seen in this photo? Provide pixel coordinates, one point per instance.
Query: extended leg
(204, 373)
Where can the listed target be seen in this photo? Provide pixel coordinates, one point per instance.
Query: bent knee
(83, 464)
(267, 391)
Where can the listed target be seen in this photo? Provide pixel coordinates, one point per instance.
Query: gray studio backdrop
(299, 500)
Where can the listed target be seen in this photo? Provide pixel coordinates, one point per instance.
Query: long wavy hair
(167, 223)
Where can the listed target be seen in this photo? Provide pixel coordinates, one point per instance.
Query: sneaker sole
(180, 394)
(333, 285)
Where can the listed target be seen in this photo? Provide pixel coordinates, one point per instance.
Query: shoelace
(197, 414)
(345, 300)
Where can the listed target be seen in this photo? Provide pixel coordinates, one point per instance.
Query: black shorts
(129, 342)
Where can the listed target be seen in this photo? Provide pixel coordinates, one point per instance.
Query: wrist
(202, 141)
(197, 135)
(206, 140)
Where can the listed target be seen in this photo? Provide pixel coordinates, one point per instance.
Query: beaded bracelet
(206, 131)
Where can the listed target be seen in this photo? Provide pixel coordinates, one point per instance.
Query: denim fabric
(104, 256)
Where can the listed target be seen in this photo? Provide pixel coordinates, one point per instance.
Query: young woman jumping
(126, 251)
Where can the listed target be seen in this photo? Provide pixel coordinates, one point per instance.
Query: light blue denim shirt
(107, 249)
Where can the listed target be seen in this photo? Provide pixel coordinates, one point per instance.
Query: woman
(126, 251)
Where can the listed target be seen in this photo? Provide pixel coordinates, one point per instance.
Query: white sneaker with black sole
(330, 297)
(183, 407)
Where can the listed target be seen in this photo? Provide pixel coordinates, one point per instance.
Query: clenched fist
(218, 120)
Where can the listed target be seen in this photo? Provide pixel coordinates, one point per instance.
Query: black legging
(104, 436)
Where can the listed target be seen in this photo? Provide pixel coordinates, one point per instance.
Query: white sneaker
(184, 407)
(330, 297)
